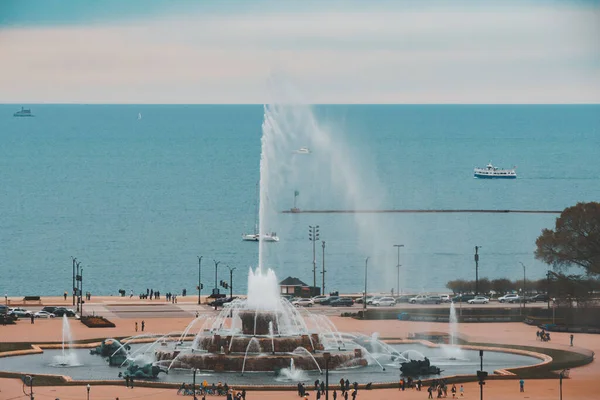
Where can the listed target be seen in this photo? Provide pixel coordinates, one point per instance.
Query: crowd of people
(204, 389)
(319, 389)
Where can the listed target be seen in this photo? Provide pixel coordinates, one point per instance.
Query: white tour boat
(255, 237)
(303, 150)
(491, 172)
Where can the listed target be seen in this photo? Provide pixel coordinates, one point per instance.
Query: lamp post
(194, 385)
(365, 295)
(524, 281)
(477, 270)
(81, 291)
(326, 356)
(313, 236)
(78, 285)
(231, 280)
(88, 391)
(216, 266)
(323, 266)
(398, 267)
(548, 287)
(553, 309)
(199, 279)
(563, 374)
(73, 287)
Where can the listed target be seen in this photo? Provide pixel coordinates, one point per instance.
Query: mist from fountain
(292, 373)
(68, 357)
(453, 351)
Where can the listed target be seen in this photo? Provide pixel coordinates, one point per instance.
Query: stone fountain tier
(235, 362)
(283, 344)
(257, 322)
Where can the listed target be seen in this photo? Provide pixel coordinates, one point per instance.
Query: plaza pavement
(582, 384)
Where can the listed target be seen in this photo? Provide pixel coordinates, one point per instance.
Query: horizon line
(305, 104)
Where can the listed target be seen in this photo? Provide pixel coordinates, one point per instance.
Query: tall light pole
(524, 292)
(216, 266)
(323, 266)
(365, 295)
(78, 284)
(73, 287)
(398, 267)
(477, 270)
(199, 279)
(80, 291)
(313, 236)
(231, 280)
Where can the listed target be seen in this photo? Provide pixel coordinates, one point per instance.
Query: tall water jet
(330, 176)
(68, 357)
(453, 322)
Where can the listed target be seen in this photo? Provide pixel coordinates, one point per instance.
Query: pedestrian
(127, 381)
(130, 293)
(354, 392)
(317, 385)
(243, 394)
(32, 318)
(299, 389)
(419, 384)
(346, 395)
(65, 295)
(334, 394)
(318, 395)
(143, 326)
(453, 391)
(462, 391)
(322, 387)
(522, 385)
(571, 340)
(347, 385)
(430, 391)
(136, 326)
(342, 385)
(197, 314)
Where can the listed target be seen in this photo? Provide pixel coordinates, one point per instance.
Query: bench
(32, 298)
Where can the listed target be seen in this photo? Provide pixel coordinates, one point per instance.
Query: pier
(416, 211)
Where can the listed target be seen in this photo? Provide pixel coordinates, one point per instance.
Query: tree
(575, 241)
(502, 285)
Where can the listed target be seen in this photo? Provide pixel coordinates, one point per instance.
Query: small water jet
(68, 358)
(292, 373)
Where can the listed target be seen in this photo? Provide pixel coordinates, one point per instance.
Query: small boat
(23, 113)
(491, 172)
(303, 150)
(255, 237)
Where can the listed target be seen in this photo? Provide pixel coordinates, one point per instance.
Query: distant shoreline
(298, 211)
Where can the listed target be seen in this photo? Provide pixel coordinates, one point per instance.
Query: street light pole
(313, 236)
(524, 282)
(81, 285)
(78, 285)
(73, 287)
(365, 295)
(199, 279)
(326, 356)
(398, 267)
(477, 270)
(323, 266)
(231, 280)
(216, 266)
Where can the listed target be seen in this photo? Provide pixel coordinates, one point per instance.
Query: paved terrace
(124, 312)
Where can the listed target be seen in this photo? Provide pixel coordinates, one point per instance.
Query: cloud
(487, 55)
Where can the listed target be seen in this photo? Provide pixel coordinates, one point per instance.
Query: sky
(332, 51)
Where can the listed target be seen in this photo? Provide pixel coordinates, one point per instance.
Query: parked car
(462, 298)
(509, 298)
(425, 299)
(404, 298)
(43, 314)
(370, 300)
(445, 298)
(303, 303)
(543, 297)
(384, 301)
(342, 302)
(20, 312)
(49, 309)
(329, 300)
(479, 300)
(319, 299)
(60, 311)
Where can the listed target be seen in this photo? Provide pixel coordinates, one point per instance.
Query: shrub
(96, 322)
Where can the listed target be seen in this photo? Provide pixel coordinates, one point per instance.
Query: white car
(43, 314)
(509, 298)
(479, 300)
(20, 312)
(445, 298)
(384, 301)
(303, 303)
(319, 299)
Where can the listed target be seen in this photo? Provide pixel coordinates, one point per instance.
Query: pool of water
(452, 361)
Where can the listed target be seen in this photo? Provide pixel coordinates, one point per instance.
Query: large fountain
(263, 333)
